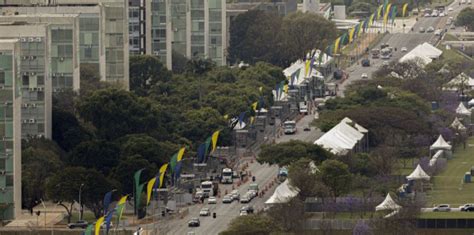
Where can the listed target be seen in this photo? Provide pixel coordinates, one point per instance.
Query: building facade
(101, 26)
(10, 131)
(173, 28)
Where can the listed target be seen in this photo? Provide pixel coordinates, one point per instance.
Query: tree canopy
(285, 153)
(466, 18)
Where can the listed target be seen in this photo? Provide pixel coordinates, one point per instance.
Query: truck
(289, 127)
(303, 106)
(207, 188)
(227, 176)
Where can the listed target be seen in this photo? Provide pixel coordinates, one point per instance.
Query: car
(243, 213)
(422, 30)
(430, 29)
(427, 14)
(450, 9)
(365, 63)
(194, 222)
(245, 199)
(252, 194)
(78, 224)
(227, 199)
(452, 26)
(248, 209)
(212, 200)
(437, 32)
(235, 195)
(467, 207)
(364, 75)
(307, 128)
(205, 212)
(442, 14)
(448, 22)
(404, 49)
(442, 208)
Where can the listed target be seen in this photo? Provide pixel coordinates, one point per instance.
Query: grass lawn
(448, 186)
(447, 215)
(436, 3)
(450, 37)
(451, 54)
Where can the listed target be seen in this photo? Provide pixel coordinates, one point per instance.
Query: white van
(289, 127)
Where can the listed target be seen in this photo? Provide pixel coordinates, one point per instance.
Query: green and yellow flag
(215, 135)
(252, 119)
(254, 106)
(88, 230)
(404, 9)
(336, 45)
(149, 189)
(371, 20)
(351, 34)
(121, 207)
(386, 13)
(307, 67)
(379, 12)
(98, 223)
(361, 25)
(181, 153)
(162, 174)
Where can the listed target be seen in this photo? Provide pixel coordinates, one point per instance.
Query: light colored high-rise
(10, 131)
(173, 28)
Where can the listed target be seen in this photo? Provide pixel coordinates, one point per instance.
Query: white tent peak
(462, 110)
(388, 204)
(471, 102)
(457, 124)
(440, 143)
(360, 128)
(418, 174)
(283, 193)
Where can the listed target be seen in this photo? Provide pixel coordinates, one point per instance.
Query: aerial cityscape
(203, 117)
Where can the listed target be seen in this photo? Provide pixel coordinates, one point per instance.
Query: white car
(212, 200)
(244, 199)
(404, 49)
(204, 212)
(364, 75)
(227, 199)
(427, 15)
(430, 29)
(442, 14)
(450, 9)
(242, 213)
(442, 208)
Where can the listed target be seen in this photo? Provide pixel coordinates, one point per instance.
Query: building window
(9, 181)
(2, 77)
(88, 52)
(25, 80)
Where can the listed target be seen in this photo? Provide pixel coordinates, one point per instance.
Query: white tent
(360, 128)
(462, 110)
(429, 50)
(461, 79)
(341, 138)
(387, 204)
(418, 174)
(471, 102)
(440, 143)
(423, 54)
(240, 126)
(435, 157)
(283, 193)
(420, 59)
(458, 125)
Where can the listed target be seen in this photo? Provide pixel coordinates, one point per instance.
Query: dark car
(79, 224)
(248, 209)
(365, 63)
(194, 222)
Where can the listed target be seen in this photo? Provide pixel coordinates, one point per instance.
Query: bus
(289, 127)
(227, 176)
(207, 188)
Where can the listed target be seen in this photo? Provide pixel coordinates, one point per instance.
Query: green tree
(37, 166)
(302, 32)
(251, 224)
(179, 62)
(307, 179)
(201, 123)
(147, 147)
(336, 176)
(90, 79)
(145, 72)
(116, 113)
(67, 130)
(285, 153)
(99, 154)
(127, 166)
(64, 187)
(253, 37)
(466, 18)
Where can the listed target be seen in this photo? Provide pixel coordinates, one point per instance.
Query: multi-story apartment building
(10, 131)
(168, 28)
(102, 29)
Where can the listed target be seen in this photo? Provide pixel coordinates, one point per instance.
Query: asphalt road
(264, 174)
(409, 39)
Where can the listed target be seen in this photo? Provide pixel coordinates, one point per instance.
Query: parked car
(404, 49)
(422, 30)
(245, 199)
(427, 15)
(212, 200)
(235, 195)
(79, 224)
(242, 213)
(194, 222)
(450, 9)
(467, 207)
(227, 199)
(204, 212)
(442, 14)
(430, 29)
(452, 26)
(364, 75)
(248, 209)
(442, 208)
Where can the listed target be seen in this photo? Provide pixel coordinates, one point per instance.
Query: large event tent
(341, 139)
(387, 204)
(283, 193)
(418, 174)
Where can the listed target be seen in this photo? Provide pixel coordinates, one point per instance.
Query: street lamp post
(80, 202)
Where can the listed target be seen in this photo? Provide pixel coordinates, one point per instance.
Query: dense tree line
(103, 135)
